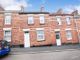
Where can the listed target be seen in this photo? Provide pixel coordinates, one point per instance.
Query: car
(4, 47)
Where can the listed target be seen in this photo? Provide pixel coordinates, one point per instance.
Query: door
(26, 39)
(58, 40)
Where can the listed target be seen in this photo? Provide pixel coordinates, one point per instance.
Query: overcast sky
(34, 5)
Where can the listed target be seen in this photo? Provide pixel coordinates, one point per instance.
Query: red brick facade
(19, 23)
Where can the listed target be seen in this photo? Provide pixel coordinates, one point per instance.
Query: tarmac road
(43, 54)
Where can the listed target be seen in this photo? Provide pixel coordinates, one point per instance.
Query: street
(63, 55)
(43, 54)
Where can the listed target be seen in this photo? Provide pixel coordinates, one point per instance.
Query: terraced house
(39, 28)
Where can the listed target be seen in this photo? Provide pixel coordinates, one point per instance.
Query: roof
(54, 14)
(1, 8)
(33, 12)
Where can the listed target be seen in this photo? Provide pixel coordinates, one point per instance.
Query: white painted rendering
(39, 28)
(68, 29)
(30, 14)
(26, 30)
(6, 28)
(56, 29)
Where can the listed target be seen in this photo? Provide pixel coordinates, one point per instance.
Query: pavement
(45, 49)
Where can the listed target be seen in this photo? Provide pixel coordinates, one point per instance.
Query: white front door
(26, 39)
(58, 40)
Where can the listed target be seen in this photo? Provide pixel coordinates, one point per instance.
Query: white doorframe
(26, 39)
(58, 39)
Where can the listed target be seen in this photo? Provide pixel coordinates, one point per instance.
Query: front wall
(19, 22)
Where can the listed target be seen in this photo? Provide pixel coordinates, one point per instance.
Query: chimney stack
(42, 9)
(1, 8)
(75, 12)
(22, 8)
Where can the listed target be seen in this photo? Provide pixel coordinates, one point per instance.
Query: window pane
(30, 20)
(42, 20)
(40, 34)
(40, 31)
(68, 20)
(7, 35)
(59, 20)
(57, 35)
(7, 19)
(40, 37)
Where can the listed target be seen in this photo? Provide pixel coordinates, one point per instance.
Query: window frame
(30, 20)
(42, 19)
(7, 35)
(7, 18)
(40, 34)
(68, 20)
(59, 20)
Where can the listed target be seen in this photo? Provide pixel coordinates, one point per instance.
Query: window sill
(69, 39)
(7, 24)
(40, 40)
(68, 24)
(59, 24)
(30, 24)
(42, 23)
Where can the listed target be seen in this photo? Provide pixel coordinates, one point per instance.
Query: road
(66, 54)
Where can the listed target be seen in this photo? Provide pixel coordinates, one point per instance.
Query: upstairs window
(7, 18)
(77, 17)
(59, 20)
(68, 20)
(30, 20)
(42, 19)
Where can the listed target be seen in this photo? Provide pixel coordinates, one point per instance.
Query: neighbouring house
(39, 28)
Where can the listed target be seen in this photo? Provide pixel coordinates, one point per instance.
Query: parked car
(4, 47)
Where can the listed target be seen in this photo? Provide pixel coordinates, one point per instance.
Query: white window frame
(68, 20)
(58, 18)
(7, 36)
(42, 19)
(7, 19)
(68, 34)
(40, 34)
(30, 20)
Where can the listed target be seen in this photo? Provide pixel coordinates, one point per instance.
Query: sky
(34, 5)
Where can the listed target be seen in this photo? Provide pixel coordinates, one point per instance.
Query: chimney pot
(22, 8)
(42, 9)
